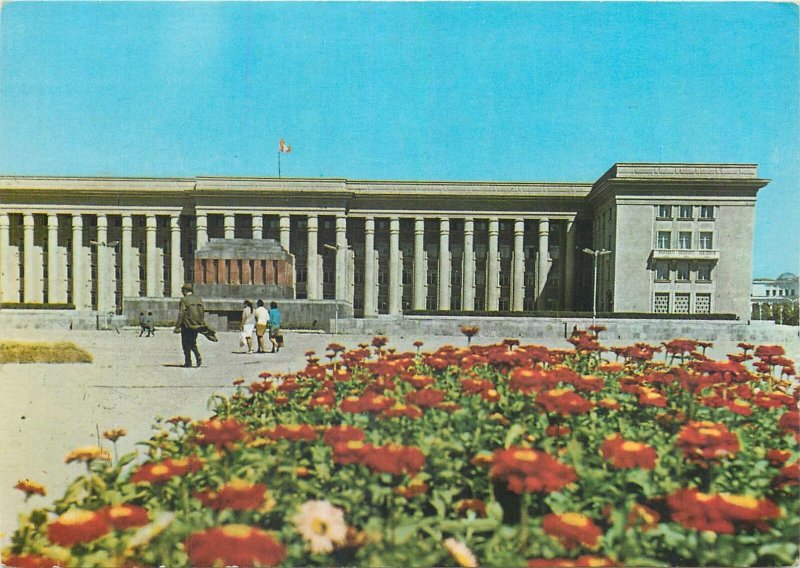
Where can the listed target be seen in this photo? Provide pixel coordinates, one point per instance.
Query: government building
(670, 238)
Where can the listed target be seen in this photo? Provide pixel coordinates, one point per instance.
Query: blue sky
(493, 91)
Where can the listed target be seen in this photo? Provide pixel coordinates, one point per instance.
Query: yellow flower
(115, 434)
(30, 488)
(87, 454)
(321, 524)
(460, 553)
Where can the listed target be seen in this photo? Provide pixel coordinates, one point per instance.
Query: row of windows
(682, 272)
(684, 240)
(780, 292)
(685, 212)
(665, 303)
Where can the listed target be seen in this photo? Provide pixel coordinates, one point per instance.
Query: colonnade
(93, 259)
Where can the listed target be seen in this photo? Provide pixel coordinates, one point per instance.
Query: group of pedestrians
(265, 323)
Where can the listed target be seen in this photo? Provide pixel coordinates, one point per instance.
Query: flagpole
(279, 164)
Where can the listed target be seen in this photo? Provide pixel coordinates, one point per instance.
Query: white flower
(459, 551)
(321, 524)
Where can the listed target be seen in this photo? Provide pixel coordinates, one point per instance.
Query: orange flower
(643, 516)
(125, 516)
(472, 505)
(30, 488)
(427, 398)
(339, 434)
(115, 434)
(403, 411)
(707, 440)
(528, 471)
(349, 452)
(415, 487)
(624, 454)
(572, 529)
(76, 526)
(234, 545)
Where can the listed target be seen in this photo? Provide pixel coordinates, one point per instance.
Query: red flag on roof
(284, 147)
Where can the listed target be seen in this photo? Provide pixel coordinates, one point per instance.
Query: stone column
(341, 257)
(569, 266)
(394, 266)
(285, 225)
(54, 294)
(150, 225)
(312, 272)
(129, 270)
(176, 262)
(468, 270)
(420, 268)
(29, 287)
(444, 263)
(544, 262)
(493, 268)
(230, 225)
(4, 261)
(518, 290)
(370, 308)
(258, 226)
(78, 278)
(201, 220)
(102, 263)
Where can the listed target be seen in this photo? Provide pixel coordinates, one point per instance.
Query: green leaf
(784, 552)
(514, 432)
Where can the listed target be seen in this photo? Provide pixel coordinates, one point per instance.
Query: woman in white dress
(248, 324)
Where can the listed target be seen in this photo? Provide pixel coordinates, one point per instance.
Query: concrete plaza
(48, 410)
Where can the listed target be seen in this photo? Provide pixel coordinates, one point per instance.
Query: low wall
(223, 314)
(623, 329)
(51, 319)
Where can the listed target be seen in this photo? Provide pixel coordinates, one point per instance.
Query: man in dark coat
(191, 321)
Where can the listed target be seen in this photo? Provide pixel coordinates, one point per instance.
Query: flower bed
(499, 455)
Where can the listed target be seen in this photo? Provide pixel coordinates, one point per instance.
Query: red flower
(293, 432)
(563, 401)
(369, 402)
(394, 459)
(643, 516)
(778, 457)
(527, 380)
(790, 421)
(125, 516)
(421, 381)
(624, 454)
(221, 433)
(472, 505)
(234, 545)
(699, 511)
(323, 398)
(403, 411)
(572, 529)
(76, 526)
(349, 452)
(30, 561)
(651, 397)
(238, 495)
(413, 489)
(427, 398)
(680, 346)
(707, 440)
(788, 475)
(379, 341)
(341, 434)
(747, 509)
(557, 431)
(768, 352)
(580, 562)
(528, 471)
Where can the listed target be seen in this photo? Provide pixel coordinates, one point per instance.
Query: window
(702, 304)
(684, 240)
(683, 271)
(704, 273)
(681, 303)
(665, 211)
(706, 241)
(706, 211)
(664, 239)
(661, 304)
(685, 212)
(662, 272)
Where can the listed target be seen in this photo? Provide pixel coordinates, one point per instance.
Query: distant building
(679, 235)
(769, 294)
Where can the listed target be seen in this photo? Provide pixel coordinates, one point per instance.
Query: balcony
(684, 254)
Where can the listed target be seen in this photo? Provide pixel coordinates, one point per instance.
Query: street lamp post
(595, 254)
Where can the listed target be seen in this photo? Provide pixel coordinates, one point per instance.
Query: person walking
(151, 324)
(275, 336)
(262, 320)
(248, 325)
(191, 321)
(142, 323)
